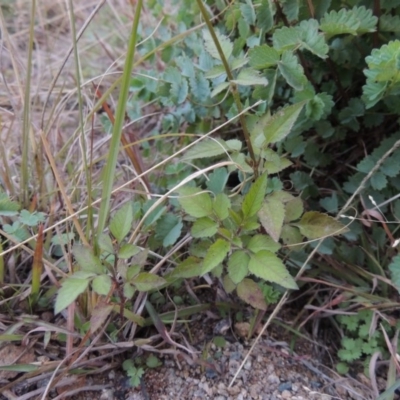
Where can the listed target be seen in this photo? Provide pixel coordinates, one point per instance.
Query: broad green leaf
(206, 148)
(70, 289)
(248, 12)
(189, 268)
(155, 214)
(263, 57)
(272, 215)
(239, 158)
(254, 198)
(293, 209)
(268, 266)
(204, 227)
(87, 260)
(303, 36)
(121, 223)
(217, 180)
(251, 293)
(330, 204)
(200, 87)
(128, 290)
(292, 237)
(132, 271)
(262, 242)
(195, 202)
(168, 229)
(229, 286)
(314, 225)
(224, 42)
(292, 71)
(8, 207)
(31, 219)
(291, 9)
(145, 281)
(219, 88)
(102, 284)
(250, 77)
(140, 258)
(105, 243)
(215, 255)
(221, 206)
(215, 72)
(277, 165)
(128, 250)
(358, 20)
(237, 266)
(265, 15)
(281, 123)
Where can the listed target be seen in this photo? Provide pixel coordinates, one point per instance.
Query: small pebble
(285, 386)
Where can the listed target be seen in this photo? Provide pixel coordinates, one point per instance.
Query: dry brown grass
(60, 110)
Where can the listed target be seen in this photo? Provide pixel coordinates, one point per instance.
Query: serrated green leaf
(238, 266)
(215, 255)
(219, 88)
(265, 15)
(303, 36)
(250, 77)
(204, 227)
(200, 87)
(102, 284)
(195, 202)
(225, 43)
(274, 163)
(271, 216)
(248, 12)
(281, 123)
(263, 57)
(121, 223)
(314, 225)
(268, 266)
(292, 71)
(217, 181)
(330, 204)
(128, 250)
(378, 181)
(262, 242)
(132, 271)
(292, 237)
(221, 206)
(215, 72)
(8, 207)
(155, 214)
(254, 198)
(145, 281)
(168, 229)
(70, 289)
(358, 20)
(153, 362)
(31, 219)
(229, 286)
(251, 293)
(105, 243)
(206, 148)
(87, 260)
(293, 209)
(189, 268)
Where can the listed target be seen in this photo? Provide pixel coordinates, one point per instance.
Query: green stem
(109, 171)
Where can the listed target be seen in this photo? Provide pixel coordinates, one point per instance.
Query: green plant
(361, 340)
(135, 373)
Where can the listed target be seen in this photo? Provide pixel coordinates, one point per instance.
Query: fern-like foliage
(383, 73)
